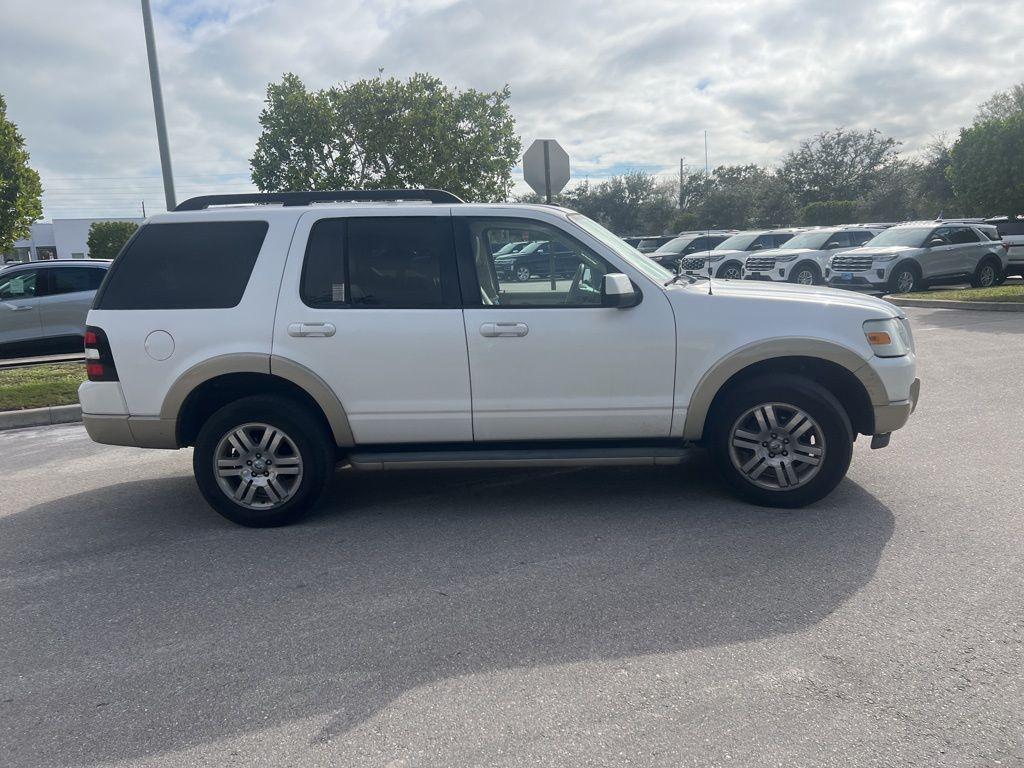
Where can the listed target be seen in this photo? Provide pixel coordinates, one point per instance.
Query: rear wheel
(780, 441)
(987, 274)
(263, 461)
(904, 279)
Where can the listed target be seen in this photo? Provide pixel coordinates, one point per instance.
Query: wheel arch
(840, 370)
(205, 387)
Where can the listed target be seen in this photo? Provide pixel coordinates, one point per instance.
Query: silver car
(43, 305)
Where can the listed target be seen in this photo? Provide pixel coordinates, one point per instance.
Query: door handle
(22, 307)
(311, 329)
(504, 329)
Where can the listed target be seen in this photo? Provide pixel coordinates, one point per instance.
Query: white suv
(726, 259)
(909, 257)
(281, 334)
(804, 258)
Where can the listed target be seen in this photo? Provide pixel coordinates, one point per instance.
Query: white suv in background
(281, 334)
(908, 257)
(726, 259)
(804, 258)
(1011, 231)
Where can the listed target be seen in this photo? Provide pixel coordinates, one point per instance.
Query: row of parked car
(884, 257)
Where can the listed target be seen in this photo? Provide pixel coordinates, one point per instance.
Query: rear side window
(194, 265)
(75, 279)
(389, 262)
(961, 235)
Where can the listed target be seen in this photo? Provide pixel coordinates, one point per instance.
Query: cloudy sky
(621, 84)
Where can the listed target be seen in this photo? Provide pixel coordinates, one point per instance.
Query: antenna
(707, 229)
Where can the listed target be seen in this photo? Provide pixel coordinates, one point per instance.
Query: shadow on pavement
(136, 622)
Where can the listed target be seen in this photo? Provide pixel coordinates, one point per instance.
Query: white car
(282, 334)
(804, 258)
(726, 259)
(1011, 231)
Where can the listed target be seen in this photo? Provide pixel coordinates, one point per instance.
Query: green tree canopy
(20, 189)
(841, 164)
(107, 237)
(1001, 105)
(385, 133)
(986, 167)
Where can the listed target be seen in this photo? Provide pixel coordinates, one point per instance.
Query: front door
(551, 363)
(19, 308)
(372, 307)
(944, 259)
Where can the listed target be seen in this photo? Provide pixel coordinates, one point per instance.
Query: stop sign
(546, 167)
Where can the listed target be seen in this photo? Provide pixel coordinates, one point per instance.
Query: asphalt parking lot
(599, 617)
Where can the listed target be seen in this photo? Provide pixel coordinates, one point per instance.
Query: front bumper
(889, 418)
(875, 278)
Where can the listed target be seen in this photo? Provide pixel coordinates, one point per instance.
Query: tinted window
(963, 235)
(75, 279)
(200, 265)
(859, 238)
(1009, 228)
(387, 262)
(18, 285)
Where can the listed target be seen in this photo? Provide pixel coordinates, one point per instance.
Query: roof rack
(306, 198)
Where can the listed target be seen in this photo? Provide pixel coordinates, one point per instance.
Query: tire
(987, 274)
(302, 464)
(905, 279)
(731, 270)
(806, 274)
(522, 273)
(756, 469)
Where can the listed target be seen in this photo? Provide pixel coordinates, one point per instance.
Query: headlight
(714, 258)
(885, 257)
(888, 338)
(787, 258)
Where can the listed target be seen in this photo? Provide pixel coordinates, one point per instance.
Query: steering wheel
(575, 295)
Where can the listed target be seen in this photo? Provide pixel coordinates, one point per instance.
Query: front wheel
(522, 273)
(806, 274)
(731, 271)
(780, 441)
(263, 461)
(904, 279)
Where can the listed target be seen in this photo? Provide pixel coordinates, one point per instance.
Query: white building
(59, 239)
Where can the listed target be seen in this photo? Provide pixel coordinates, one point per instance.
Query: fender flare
(725, 368)
(271, 365)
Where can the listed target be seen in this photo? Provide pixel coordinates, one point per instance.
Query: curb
(40, 417)
(985, 306)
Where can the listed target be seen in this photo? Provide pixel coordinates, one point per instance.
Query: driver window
(552, 269)
(20, 285)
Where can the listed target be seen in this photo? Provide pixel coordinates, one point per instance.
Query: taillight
(99, 362)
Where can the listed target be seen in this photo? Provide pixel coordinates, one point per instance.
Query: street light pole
(158, 107)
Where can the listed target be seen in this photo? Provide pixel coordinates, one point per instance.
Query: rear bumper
(135, 431)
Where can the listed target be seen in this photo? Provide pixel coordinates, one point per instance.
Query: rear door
(19, 306)
(371, 305)
(69, 295)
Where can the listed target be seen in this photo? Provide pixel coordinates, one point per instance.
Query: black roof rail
(305, 198)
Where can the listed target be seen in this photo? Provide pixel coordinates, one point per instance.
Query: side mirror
(934, 241)
(617, 291)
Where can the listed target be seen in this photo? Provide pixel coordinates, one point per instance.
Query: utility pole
(682, 171)
(158, 107)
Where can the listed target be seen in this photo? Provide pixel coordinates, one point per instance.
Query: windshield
(532, 246)
(813, 240)
(912, 236)
(678, 245)
(740, 242)
(636, 259)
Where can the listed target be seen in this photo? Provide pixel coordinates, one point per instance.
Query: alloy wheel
(522, 274)
(257, 466)
(777, 446)
(805, 277)
(987, 276)
(905, 281)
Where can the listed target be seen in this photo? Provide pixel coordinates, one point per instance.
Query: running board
(532, 457)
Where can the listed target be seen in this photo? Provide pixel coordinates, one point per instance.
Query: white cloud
(626, 84)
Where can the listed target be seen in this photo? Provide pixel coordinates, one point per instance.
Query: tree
(106, 238)
(986, 167)
(1001, 105)
(830, 212)
(20, 189)
(386, 133)
(841, 164)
